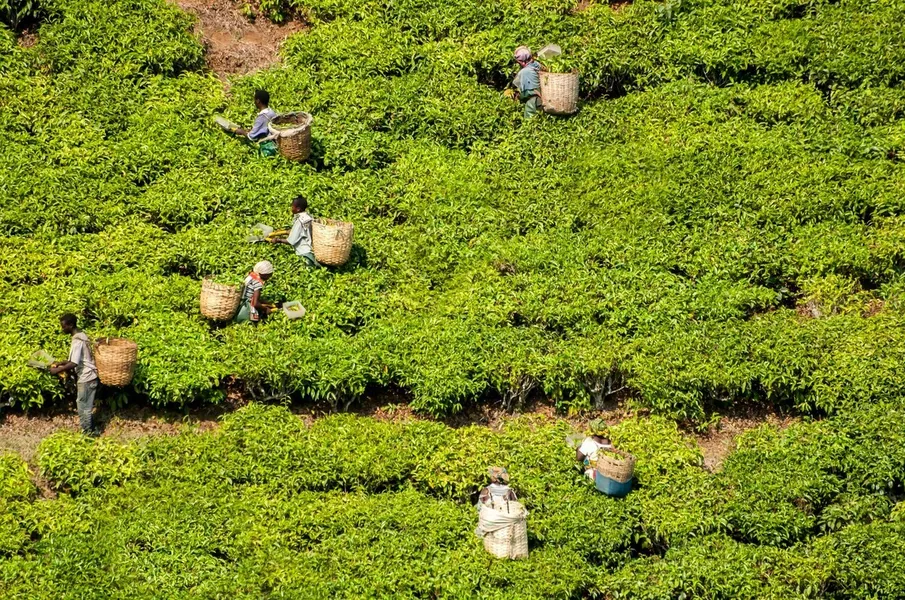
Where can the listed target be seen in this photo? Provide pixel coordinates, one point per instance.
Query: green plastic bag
(267, 148)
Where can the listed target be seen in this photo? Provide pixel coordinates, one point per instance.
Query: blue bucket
(610, 486)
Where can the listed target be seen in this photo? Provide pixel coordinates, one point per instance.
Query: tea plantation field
(721, 221)
(350, 507)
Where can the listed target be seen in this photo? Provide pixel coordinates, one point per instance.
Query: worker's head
(264, 269)
(598, 429)
(68, 323)
(299, 205)
(262, 99)
(523, 55)
(498, 475)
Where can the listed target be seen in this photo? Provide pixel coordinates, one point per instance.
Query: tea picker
(609, 468)
(259, 132)
(527, 81)
(251, 307)
(586, 454)
(498, 490)
(81, 363)
(502, 519)
(299, 236)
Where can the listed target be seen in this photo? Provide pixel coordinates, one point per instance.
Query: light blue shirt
(528, 78)
(259, 129)
(300, 235)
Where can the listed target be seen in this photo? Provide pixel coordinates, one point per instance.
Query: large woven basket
(115, 360)
(510, 542)
(331, 241)
(559, 92)
(617, 469)
(292, 134)
(218, 301)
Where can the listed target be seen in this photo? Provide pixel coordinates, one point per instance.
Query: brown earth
(21, 433)
(235, 44)
(28, 38)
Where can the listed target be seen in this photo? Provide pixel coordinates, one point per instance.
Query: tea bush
(355, 507)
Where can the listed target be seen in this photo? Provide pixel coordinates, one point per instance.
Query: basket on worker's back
(115, 360)
(218, 301)
(331, 241)
(614, 475)
(511, 541)
(559, 92)
(292, 134)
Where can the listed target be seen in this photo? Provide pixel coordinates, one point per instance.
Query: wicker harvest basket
(559, 92)
(512, 541)
(292, 134)
(619, 470)
(331, 241)
(115, 359)
(218, 301)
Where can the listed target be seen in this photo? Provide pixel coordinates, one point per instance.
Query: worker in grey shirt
(81, 361)
(300, 234)
(527, 81)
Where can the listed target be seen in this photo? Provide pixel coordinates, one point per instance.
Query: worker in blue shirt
(527, 81)
(259, 132)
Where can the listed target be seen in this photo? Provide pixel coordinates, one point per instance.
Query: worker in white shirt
(596, 441)
(81, 361)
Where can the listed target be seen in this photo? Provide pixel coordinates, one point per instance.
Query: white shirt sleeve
(589, 447)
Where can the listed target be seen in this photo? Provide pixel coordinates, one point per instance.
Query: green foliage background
(735, 171)
(351, 507)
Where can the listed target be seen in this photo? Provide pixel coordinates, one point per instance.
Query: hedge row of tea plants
(266, 506)
(721, 221)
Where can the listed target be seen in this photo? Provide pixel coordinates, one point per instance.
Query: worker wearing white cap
(527, 81)
(252, 309)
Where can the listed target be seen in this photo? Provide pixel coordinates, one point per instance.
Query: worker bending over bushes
(527, 81)
(586, 454)
(81, 361)
(251, 308)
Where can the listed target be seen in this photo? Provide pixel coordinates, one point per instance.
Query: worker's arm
(61, 367)
(256, 302)
(579, 456)
(240, 132)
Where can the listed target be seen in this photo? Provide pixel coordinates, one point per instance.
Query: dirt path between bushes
(21, 432)
(235, 44)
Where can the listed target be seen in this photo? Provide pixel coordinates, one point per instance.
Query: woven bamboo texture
(559, 92)
(294, 143)
(617, 469)
(331, 241)
(510, 542)
(115, 360)
(219, 302)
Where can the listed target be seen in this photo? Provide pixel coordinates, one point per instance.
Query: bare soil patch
(21, 432)
(236, 45)
(28, 38)
(717, 443)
